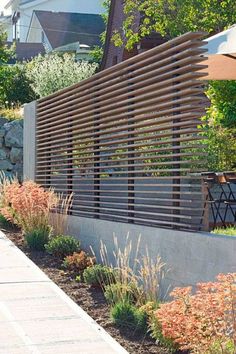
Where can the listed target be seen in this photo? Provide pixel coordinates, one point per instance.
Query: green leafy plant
(15, 86)
(154, 327)
(99, 275)
(78, 279)
(5, 223)
(97, 52)
(118, 292)
(78, 261)
(62, 246)
(13, 113)
(171, 18)
(5, 52)
(229, 231)
(53, 72)
(126, 315)
(37, 239)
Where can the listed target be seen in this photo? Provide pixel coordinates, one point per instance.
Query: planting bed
(90, 299)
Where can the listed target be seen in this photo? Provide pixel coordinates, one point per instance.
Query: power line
(61, 31)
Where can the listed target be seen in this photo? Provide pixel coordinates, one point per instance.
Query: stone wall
(11, 147)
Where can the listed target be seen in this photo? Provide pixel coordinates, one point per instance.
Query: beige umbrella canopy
(221, 55)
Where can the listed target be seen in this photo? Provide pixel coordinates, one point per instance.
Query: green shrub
(118, 292)
(5, 223)
(37, 239)
(62, 246)
(99, 275)
(12, 113)
(126, 315)
(229, 231)
(15, 87)
(53, 72)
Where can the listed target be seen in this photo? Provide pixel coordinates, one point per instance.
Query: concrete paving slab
(38, 317)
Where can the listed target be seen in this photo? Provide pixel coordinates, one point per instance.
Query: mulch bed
(90, 299)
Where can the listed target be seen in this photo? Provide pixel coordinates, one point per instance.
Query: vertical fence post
(97, 162)
(29, 148)
(131, 155)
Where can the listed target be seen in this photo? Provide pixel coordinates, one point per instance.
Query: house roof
(26, 51)
(18, 2)
(62, 28)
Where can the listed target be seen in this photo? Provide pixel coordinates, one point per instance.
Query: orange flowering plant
(203, 321)
(27, 205)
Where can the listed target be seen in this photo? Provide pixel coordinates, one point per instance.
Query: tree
(171, 18)
(5, 52)
(15, 86)
(97, 52)
(220, 126)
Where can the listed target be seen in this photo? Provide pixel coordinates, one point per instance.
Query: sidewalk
(38, 317)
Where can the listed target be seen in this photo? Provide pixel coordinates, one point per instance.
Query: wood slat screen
(125, 140)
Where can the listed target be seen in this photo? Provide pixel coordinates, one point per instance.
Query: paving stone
(39, 318)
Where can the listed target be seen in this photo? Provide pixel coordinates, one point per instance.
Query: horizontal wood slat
(126, 141)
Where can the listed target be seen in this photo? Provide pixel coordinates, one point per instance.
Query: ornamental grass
(26, 205)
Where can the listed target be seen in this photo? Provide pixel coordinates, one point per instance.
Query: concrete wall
(29, 148)
(190, 257)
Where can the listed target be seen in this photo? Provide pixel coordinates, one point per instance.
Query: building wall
(80, 6)
(35, 34)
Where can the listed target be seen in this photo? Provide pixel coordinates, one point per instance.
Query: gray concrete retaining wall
(190, 257)
(29, 141)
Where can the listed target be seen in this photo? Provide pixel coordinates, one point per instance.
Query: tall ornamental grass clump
(28, 206)
(204, 321)
(136, 276)
(134, 293)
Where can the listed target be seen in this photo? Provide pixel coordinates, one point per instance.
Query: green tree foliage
(220, 126)
(97, 52)
(53, 72)
(173, 17)
(222, 111)
(15, 86)
(5, 52)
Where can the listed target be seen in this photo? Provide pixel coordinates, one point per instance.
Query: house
(59, 29)
(25, 51)
(6, 23)
(112, 54)
(21, 12)
(81, 51)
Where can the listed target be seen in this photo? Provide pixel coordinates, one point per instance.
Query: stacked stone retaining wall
(11, 147)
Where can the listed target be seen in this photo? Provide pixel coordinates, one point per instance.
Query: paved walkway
(38, 317)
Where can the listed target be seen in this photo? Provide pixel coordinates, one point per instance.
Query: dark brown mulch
(90, 299)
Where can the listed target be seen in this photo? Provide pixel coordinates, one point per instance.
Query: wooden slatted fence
(125, 140)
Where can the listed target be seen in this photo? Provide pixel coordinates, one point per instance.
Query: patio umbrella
(221, 55)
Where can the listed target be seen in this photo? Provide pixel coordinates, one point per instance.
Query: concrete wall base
(190, 257)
